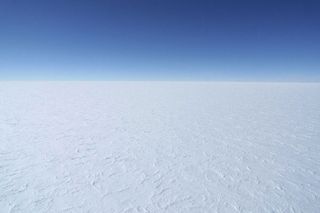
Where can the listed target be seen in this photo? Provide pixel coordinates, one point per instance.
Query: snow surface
(159, 147)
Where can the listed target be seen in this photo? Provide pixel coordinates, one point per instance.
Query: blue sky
(226, 40)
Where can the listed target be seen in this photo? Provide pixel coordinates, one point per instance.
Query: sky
(218, 40)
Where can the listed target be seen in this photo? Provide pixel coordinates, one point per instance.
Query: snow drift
(159, 147)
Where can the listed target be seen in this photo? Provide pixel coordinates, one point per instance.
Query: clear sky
(229, 40)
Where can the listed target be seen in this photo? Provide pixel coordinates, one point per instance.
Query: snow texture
(159, 147)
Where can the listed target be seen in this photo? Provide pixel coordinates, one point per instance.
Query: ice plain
(159, 147)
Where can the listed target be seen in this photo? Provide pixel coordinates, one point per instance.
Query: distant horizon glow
(160, 40)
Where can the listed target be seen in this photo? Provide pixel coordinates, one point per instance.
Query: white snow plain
(159, 147)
